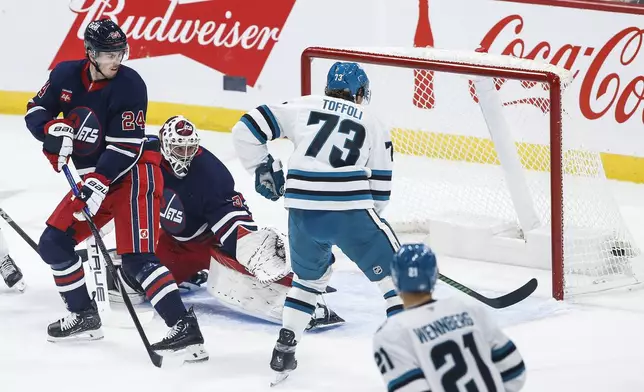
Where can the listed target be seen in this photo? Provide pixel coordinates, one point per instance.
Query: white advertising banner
(238, 54)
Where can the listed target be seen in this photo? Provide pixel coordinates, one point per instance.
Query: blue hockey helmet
(414, 269)
(104, 35)
(348, 81)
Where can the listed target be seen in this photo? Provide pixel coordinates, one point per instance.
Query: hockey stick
(18, 230)
(156, 359)
(96, 283)
(501, 302)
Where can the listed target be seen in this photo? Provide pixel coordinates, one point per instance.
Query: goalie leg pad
(235, 288)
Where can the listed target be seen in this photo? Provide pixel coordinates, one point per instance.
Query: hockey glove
(92, 193)
(269, 179)
(59, 143)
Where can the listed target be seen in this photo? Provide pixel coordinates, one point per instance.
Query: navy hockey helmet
(347, 80)
(414, 269)
(104, 35)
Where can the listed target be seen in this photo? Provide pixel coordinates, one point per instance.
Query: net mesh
(448, 166)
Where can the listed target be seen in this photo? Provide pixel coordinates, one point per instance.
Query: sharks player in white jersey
(8, 269)
(338, 182)
(441, 345)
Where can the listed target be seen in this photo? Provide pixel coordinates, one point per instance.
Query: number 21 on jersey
(448, 359)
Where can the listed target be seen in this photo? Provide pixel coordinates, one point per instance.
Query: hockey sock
(70, 280)
(299, 305)
(162, 292)
(394, 303)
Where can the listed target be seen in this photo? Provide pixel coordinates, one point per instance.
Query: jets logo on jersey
(172, 213)
(87, 130)
(87, 135)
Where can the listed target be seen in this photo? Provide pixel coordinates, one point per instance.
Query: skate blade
(279, 377)
(96, 334)
(20, 286)
(196, 353)
(322, 327)
(191, 354)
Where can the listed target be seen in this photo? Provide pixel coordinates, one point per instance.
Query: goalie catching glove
(92, 193)
(263, 254)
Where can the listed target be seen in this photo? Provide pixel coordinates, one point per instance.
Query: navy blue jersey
(204, 203)
(108, 116)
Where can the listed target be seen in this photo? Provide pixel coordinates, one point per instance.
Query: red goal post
(492, 67)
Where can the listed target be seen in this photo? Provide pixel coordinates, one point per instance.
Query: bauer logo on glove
(59, 143)
(91, 195)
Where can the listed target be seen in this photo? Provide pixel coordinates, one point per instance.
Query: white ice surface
(593, 343)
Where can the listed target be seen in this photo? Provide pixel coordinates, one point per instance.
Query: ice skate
(283, 360)
(84, 325)
(184, 338)
(11, 274)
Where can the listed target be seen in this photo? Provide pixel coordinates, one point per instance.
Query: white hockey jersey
(343, 154)
(448, 346)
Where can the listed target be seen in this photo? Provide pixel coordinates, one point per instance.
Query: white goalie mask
(179, 144)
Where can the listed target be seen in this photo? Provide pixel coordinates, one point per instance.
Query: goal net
(485, 166)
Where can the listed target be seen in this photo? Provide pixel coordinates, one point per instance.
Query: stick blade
(514, 297)
(157, 360)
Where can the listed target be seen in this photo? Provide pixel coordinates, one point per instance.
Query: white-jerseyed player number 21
(439, 356)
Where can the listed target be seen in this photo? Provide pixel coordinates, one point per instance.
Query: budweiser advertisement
(184, 48)
(232, 37)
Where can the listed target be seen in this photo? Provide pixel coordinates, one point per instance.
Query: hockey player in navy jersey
(338, 182)
(102, 130)
(441, 345)
(207, 227)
